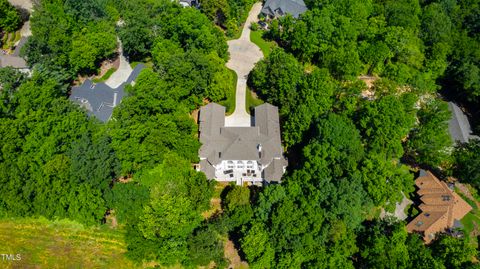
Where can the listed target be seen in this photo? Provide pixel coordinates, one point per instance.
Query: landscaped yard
(9, 39)
(471, 222)
(252, 100)
(61, 244)
(264, 45)
(105, 76)
(229, 102)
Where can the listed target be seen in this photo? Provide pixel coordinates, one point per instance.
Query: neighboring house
(99, 99)
(458, 126)
(441, 207)
(279, 8)
(251, 155)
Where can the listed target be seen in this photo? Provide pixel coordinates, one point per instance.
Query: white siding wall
(239, 170)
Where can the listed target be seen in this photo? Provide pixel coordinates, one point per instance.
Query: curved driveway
(243, 56)
(122, 73)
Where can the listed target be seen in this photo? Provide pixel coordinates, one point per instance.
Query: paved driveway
(243, 56)
(26, 4)
(123, 72)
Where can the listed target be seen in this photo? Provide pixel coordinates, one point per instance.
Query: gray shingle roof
(260, 142)
(274, 172)
(99, 99)
(458, 126)
(277, 8)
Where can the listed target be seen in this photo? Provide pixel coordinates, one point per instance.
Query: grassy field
(265, 46)
(229, 103)
(61, 244)
(252, 100)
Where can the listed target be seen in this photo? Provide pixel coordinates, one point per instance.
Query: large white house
(251, 155)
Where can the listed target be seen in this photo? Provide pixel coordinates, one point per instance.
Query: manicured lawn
(264, 45)
(471, 221)
(61, 244)
(252, 100)
(105, 76)
(229, 102)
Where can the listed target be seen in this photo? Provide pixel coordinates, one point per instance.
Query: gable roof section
(275, 170)
(277, 8)
(458, 126)
(211, 120)
(440, 206)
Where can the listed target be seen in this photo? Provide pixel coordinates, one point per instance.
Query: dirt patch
(215, 208)
(107, 65)
(368, 93)
(194, 115)
(125, 179)
(369, 80)
(231, 254)
(112, 221)
(104, 67)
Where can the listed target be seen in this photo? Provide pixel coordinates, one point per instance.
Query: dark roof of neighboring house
(12, 61)
(277, 8)
(99, 99)
(260, 142)
(458, 126)
(440, 206)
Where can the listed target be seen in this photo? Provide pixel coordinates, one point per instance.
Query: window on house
(419, 223)
(427, 214)
(446, 197)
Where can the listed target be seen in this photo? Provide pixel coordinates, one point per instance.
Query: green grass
(61, 244)
(9, 39)
(148, 63)
(265, 46)
(236, 34)
(105, 76)
(252, 100)
(470, 220)
(229, 102)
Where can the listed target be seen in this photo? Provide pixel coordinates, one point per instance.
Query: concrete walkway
(123, 72)
(243, 56)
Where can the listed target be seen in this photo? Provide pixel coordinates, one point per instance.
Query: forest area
(349, 155)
